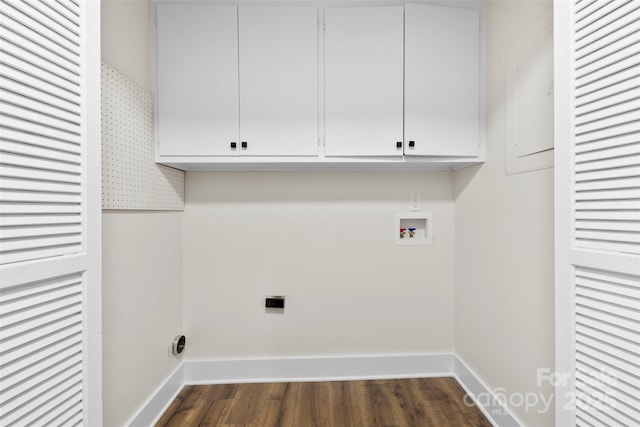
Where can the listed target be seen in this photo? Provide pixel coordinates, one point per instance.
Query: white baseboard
(317, 369)
(159, 402)
(340, 368)
(482, 396)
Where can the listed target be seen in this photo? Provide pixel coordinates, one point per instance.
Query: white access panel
(442, 87)
(197, 54)
(278, 80)
(530, 97)
(364, 81)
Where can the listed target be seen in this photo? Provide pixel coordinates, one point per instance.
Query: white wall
(142, 254)
(142, 307)
(326, 241)
(126, 37)
(504, 293)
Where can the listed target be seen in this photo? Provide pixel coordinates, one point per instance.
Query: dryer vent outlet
(177, 347)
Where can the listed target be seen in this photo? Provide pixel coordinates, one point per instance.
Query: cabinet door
(197, 47)
(364, 79)
(441, 81)
(279, 80)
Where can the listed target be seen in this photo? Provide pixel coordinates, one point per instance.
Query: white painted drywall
(142, 307)
(126, 34)
(504, 286)
(325, 240)
(142, 254)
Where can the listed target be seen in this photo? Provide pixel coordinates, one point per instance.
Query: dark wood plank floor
(437, 402)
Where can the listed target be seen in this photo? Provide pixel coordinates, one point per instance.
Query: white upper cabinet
(278, 80)
(363, 81)
(442, 81)
(197, 78)
(263, 87)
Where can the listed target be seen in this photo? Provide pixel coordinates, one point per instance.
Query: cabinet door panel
(197, 79)
(441, 80)
(279, 80)
(364, 81)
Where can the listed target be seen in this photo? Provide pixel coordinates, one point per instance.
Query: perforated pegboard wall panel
(130, 177)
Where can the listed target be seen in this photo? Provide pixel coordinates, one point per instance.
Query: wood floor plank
(193, 407)
(173, 408)
(343, 407)
(420, 402)
(379, 404)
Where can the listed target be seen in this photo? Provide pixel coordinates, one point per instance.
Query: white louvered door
(597, 212)
(50, 337)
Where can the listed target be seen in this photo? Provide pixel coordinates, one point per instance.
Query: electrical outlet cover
(415, 203)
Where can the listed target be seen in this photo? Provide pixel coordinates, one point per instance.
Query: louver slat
(60, 8)
(618, 50)
(623, 388)
(40, 28)
(38, 352)
(606, 216)
(612, 152)
(17, 48)
(589, 16)
(58, 393)
(597, 44)
(596, 194)
(618, 173)
(606, 162)
(35, 67)
(605, 27)
(31, 150)
(33, 123)
(21, 185)
(614, 412)
(24, 89)
(608, 101)
(41, 364)
(40, 130)
(607, 346)
(38, 106)
(597, 261)
(21, 71)
(626, 116)
(43, 181)
(36, 373)
(45, 121)
(9, 136)
(596, 361)
(32, 220)
(583, 6)
(603, 92)
(56, 15)
(615, 58)
(607, 128)
(32, 45)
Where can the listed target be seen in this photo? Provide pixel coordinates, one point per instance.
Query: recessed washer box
(413, 228)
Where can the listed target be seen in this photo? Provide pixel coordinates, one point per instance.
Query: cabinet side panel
(197, 48)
